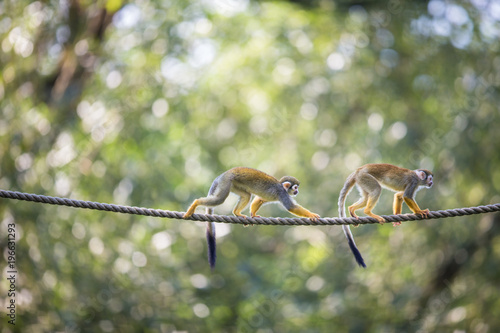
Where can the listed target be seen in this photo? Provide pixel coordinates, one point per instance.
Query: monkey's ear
(421, 174)
(287, 185)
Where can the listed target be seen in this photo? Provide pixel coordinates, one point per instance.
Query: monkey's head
(425, 177)
(291, 185)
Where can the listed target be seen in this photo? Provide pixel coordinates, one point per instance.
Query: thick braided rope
(242, 220)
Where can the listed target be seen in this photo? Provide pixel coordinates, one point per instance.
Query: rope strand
(242, 220)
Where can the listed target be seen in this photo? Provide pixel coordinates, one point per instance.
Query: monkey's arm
(298, 210)
(412, 204)
(397, 207)
(292, 207)
(414, 207)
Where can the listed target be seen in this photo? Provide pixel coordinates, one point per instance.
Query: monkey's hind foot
(245, 224)
(356, 217)
(380, 219)
(188, 214)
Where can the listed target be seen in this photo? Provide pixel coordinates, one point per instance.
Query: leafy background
(144, 103)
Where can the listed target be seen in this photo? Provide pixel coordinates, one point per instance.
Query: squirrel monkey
(245, 182)
(369, 179)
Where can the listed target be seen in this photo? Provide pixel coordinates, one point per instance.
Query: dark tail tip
(212, 255)
(357, 254)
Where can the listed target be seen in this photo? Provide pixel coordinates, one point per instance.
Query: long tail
(211, 242)
(212, 247)
(348, 185)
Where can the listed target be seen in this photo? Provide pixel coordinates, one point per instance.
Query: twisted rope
(242, 220)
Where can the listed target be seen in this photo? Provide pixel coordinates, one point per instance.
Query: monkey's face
(425, 178)
(428, 181)
(291, 189)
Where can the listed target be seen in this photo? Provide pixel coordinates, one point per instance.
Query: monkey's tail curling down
(211, 242)
(212, 255)
(348, 185)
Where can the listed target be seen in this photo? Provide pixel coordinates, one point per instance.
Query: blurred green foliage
(144, 103)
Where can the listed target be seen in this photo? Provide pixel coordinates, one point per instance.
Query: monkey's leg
(191, 209)
(218, 197)
(414, 207)
(371, 186)
(255, 206)
(372, 201)
(242, 202)
(397, 206)
(361, 203)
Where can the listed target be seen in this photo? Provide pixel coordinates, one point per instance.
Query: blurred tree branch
(64, 87)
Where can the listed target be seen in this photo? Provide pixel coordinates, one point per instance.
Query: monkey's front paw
(395, 224)
(314, 217)
(423, 213)
(187, 215)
